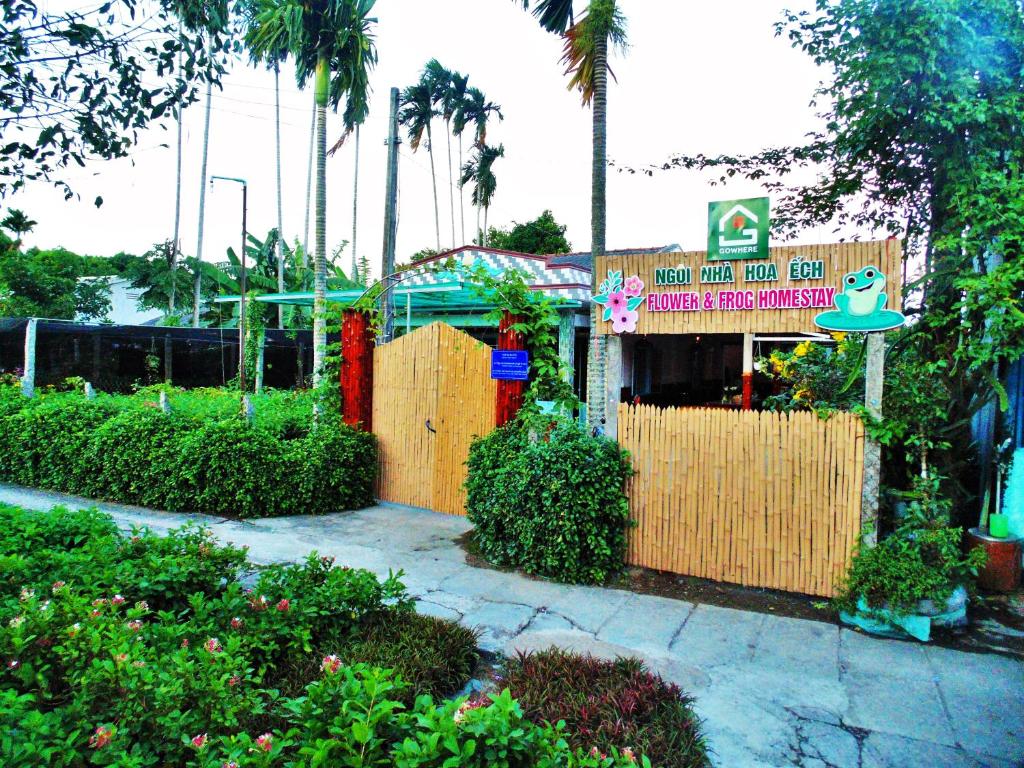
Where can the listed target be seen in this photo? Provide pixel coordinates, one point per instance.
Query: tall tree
(197, 287)
(416, 114)
(543, 235)
(175, 238)
(18, 223)
(277, 165)
(585, 56)
(332, 43)
(921, 137)
(476, 109)
(480, 170)
(83, 83)
(455, 98)
(445, 96)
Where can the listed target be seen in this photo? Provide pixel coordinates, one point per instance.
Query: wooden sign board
(686, 293)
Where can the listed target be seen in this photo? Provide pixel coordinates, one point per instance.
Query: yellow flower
(801, 394)
(802, 348)
(838, 335)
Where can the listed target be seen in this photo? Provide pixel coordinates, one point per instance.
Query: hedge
(552, 505)
(180, 462)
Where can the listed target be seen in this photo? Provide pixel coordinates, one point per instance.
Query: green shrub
(553, 506)
(432, 655)
(608, 705)
(907, 567)
(94, 673)
(197, 458)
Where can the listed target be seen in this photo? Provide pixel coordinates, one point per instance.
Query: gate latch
(427, 422)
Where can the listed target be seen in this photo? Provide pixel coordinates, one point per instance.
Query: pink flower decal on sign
(634, 286)
(624, 321)
(620, 300)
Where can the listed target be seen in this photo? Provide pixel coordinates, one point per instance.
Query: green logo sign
(861, 305)
(738, 229)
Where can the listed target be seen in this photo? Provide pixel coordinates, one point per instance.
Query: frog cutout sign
(860, 305)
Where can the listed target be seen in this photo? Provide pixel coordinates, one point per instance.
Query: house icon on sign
(748, 235)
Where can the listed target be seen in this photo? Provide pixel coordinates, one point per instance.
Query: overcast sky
(698, 77)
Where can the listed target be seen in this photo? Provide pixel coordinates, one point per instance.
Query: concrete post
(90, 393)
(567, 341)
(613, 384)
(259, 363)
(28, 377)
(248, 410)
(165, 404)
(873, 380)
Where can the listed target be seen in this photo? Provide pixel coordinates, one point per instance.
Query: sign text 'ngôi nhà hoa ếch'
(766, 297)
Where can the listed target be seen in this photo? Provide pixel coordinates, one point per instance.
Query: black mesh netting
(116, 358)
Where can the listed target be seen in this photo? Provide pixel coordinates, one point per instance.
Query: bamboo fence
(755, 498)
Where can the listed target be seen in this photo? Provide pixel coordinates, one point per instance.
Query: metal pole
(390, 222)
(241, 305)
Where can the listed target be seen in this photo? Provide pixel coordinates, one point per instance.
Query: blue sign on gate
(510, 364)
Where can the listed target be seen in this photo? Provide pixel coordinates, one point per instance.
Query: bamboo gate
(432, 394)
(755, 498)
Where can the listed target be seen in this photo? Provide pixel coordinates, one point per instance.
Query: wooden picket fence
(432, 394)
(754, 498)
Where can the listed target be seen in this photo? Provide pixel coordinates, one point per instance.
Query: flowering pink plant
(57, 586)
(199, 742)
(330, 664)
(101, 737)
(265, 742)
(134, 625)
(284, 605)
(117, 600)
(213, 645)
(236, 623)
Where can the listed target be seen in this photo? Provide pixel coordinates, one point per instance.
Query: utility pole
(241, 300)
(390, 222)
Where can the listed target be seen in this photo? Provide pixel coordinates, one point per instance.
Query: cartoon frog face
(863, 292)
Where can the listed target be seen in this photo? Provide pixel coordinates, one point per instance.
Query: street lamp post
(241, 301)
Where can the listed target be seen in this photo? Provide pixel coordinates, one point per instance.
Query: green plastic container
(998, 526)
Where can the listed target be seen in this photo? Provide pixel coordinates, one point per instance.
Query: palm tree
(455, 97)
(416, 113)
(332, 43)
(444, 91)
(197, 287)
(480, 170)
(17, 222)
(585, 55)
(476, 109)
(277, 157)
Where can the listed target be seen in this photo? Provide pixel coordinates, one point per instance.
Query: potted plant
(914, 579)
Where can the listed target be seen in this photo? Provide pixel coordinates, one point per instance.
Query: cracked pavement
(772, 690)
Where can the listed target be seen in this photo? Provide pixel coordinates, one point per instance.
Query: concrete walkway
(773, 691)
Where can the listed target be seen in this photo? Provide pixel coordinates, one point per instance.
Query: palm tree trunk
(309, 187)
(197, 291)
(177, 222)
(478, 238)
(451, 180)
(487, 208)
(462, 204)
(355, 211)
(433, 178)
(597, 375)
(280, 231)
(320, 262)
